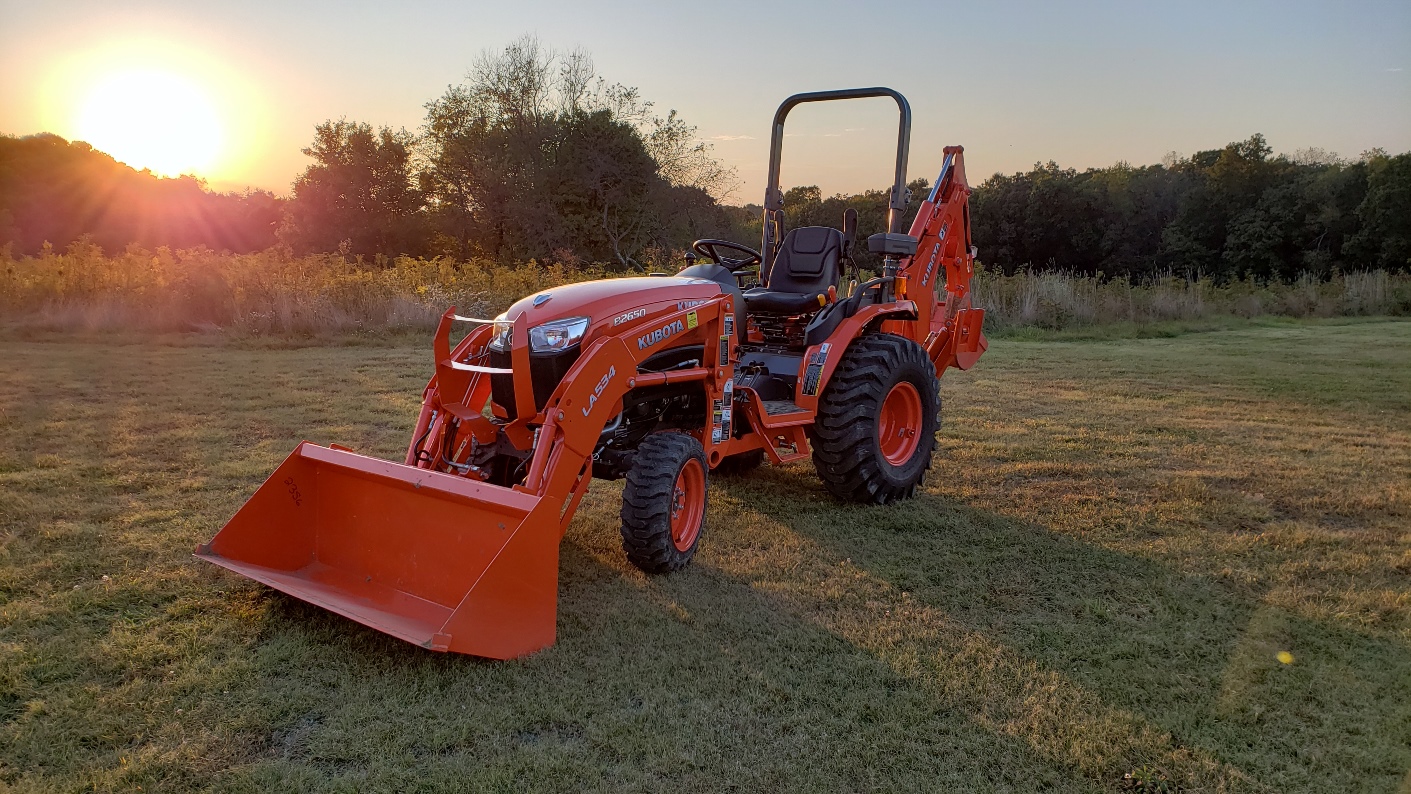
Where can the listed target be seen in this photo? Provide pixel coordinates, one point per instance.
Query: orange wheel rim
(899, 424)
(688, 505)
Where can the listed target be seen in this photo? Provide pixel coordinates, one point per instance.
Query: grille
(545, 371)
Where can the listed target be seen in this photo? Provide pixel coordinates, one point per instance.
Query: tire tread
(646, 502)
(845, 447)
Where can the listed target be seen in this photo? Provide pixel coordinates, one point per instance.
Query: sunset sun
(152, 118)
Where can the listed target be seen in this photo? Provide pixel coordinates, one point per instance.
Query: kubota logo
(598, 390)
(629, 316)
(665, 332)
(931, 265)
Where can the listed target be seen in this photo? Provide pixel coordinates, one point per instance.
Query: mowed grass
(1117, 544)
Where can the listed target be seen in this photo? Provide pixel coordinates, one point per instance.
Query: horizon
(251, 88)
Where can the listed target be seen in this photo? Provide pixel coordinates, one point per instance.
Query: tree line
(536, 156)
(1232, 212)
(1228, 213)
(53, 191)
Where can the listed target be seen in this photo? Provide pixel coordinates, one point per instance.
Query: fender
(821, 359)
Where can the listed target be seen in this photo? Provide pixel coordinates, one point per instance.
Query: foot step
(780, 407)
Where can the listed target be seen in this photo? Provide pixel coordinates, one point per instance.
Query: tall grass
(273, 292)
(268, 292)
(1057, 300)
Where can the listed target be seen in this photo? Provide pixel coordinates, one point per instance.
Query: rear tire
(664, 502)
(877, 419)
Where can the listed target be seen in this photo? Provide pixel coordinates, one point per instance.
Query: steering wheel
(709, 248)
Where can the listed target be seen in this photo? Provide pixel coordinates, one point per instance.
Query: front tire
(877, 419)
(664, 502)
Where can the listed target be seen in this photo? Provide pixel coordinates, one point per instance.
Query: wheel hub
(687, 505)
(898, 423)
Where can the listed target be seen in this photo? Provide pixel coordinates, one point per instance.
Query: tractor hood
(613, 304)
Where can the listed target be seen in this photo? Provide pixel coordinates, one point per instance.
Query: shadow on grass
(696, 681)
(833, 647)
(1110, 643)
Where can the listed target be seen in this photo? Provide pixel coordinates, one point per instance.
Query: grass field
(1118, 544)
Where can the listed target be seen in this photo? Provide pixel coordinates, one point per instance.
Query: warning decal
(814, 372)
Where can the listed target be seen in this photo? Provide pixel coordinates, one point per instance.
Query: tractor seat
(806, 266)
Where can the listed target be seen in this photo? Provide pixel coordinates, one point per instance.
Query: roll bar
(774, 198)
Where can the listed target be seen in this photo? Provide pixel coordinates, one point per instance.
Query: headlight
(503, 333)
(557, 334)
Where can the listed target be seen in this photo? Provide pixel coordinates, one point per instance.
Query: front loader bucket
(445, 562)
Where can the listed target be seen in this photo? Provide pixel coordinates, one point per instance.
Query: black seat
(806, 266)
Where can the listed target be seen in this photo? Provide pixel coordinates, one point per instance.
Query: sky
(1016, 83)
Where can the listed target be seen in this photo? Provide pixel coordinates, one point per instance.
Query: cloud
(732, 137)
(1397, 69)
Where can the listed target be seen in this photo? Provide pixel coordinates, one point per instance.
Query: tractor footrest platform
(783, 413)
(780, 407)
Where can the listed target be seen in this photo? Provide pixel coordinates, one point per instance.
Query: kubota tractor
(658, 380)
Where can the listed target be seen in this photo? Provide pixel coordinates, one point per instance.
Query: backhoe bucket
(445, 562)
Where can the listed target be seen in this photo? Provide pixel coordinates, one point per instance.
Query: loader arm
(567, 429)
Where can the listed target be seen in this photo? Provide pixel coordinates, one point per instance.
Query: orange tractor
(658, 380)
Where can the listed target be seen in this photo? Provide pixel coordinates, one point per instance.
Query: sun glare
(153, 119)
(161, 103)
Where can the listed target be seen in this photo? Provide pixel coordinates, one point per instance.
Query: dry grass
(269, 292)
(1117, 542)
(258, 293)
(1058, 301)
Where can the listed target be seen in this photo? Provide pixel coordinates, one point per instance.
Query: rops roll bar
(774, 197)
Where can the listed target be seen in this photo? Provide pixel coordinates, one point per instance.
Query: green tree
(359, 196)
(1226, 213)
(536, 156)
(1384, 239)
